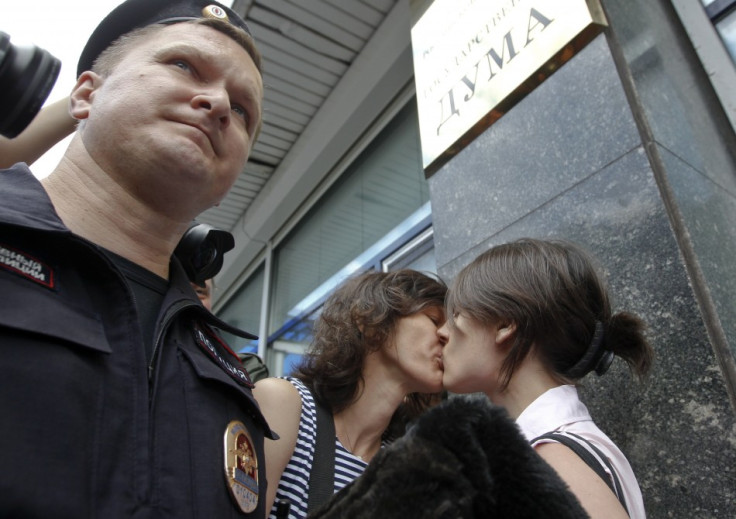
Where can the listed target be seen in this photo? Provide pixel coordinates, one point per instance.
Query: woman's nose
(443, 333)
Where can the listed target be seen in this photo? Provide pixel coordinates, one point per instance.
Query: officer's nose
(216, 102)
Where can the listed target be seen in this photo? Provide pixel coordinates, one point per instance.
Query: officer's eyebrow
(167, 50)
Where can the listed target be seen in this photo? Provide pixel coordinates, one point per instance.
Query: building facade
(628, 149)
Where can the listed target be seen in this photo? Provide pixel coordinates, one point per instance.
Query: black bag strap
(594, 463)
(322, 475)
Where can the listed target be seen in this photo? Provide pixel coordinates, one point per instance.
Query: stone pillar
(625, 150)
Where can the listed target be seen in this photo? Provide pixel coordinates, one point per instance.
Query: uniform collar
(26, 203)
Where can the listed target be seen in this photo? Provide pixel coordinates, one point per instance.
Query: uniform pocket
(52, 358)
(209, 369)
(195, 401)
(43, 312)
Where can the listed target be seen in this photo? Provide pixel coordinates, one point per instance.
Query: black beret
(133, 14)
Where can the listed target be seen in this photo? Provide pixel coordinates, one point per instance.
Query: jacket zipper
(171, 312)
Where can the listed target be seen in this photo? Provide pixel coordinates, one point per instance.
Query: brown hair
(551, 291)
(357, 319)
(108, 59)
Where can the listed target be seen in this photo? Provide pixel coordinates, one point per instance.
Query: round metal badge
(241, 466)
(214, 11)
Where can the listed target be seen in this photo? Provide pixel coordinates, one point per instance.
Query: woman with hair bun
(526, 321)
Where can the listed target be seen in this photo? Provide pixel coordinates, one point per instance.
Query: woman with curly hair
(375, 363)
(526, 321)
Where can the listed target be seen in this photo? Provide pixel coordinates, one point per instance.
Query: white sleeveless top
(560, 409)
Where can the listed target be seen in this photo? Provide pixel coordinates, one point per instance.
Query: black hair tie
(596, 358)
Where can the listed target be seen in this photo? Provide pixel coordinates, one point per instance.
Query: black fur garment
(465, 459)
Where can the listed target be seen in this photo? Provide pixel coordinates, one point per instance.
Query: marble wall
(692, 148)
(570, 162)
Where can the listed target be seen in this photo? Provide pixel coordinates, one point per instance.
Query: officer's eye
(239, 110)
(182, 64)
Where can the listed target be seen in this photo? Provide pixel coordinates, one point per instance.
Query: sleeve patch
(26, 266)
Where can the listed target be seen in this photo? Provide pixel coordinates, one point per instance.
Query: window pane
(417, 254)
(727, 29)
(244, 311)
(291, 361)
(424, 262)
(382, 188)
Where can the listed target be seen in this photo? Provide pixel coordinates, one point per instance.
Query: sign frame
(475, 59)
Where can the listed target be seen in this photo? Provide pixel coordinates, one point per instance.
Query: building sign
(475, 59)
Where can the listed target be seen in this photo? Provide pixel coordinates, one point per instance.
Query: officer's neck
(92, 205)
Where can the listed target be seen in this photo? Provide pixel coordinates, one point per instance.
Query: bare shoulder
(281, 405)
(592, 492)
(272, 388)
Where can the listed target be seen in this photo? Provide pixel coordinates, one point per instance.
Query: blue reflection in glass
(291, 361)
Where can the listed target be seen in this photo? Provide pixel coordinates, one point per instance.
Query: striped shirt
(294, 483)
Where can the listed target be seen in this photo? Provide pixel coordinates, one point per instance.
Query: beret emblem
(216, 12)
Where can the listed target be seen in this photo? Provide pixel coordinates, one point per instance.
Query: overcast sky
(62, 28)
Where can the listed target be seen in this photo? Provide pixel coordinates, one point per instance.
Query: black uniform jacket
(87, 427)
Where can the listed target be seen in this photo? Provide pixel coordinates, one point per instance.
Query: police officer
(117, 398)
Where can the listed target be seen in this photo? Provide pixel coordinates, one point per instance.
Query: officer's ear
(83, 93)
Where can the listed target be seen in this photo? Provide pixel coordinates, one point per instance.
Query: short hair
(359, 318)
(108, 59)
(551, 291)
